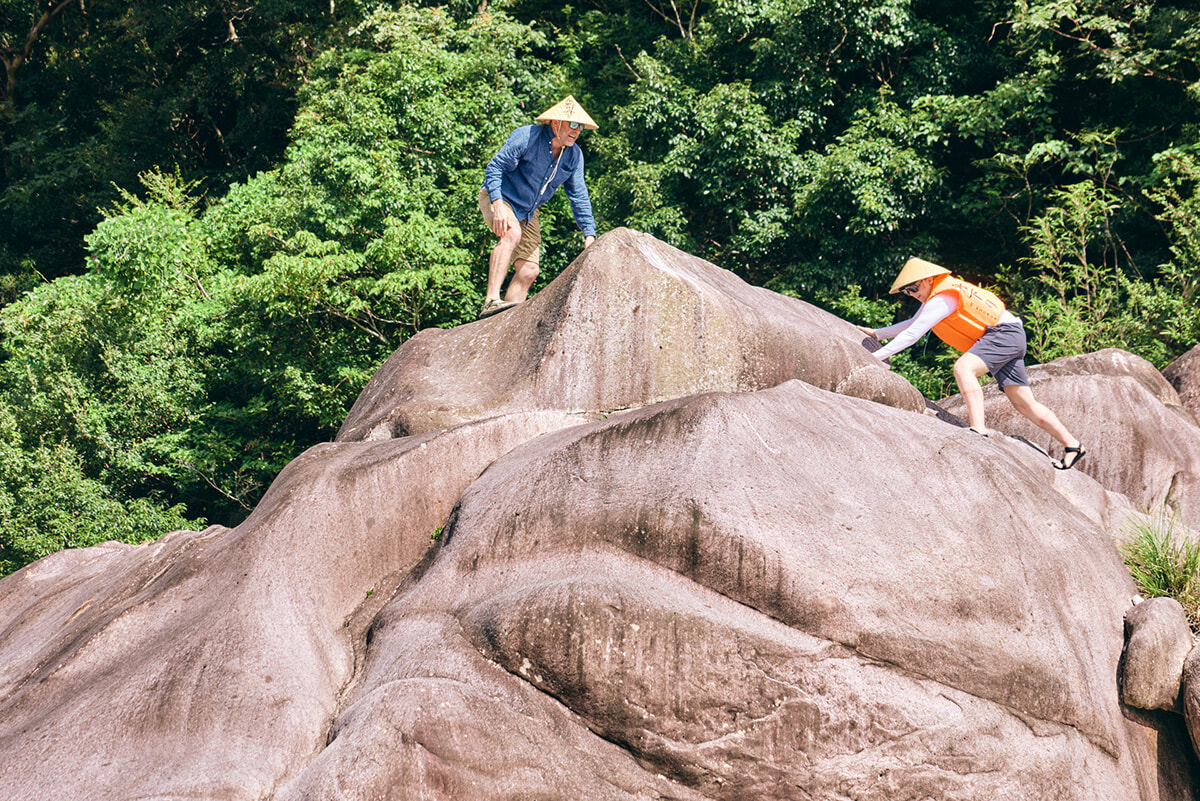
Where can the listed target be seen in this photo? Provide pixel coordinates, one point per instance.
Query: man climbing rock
(972, 320)
(532, 164)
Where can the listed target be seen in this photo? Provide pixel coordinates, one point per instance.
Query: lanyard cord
(553, 172)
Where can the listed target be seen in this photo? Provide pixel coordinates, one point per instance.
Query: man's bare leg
(524, 274)
(499, 260)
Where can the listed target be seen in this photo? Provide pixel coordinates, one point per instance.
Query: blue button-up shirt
(525, 174)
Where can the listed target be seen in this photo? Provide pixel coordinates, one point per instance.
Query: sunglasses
(911, 289)
(574, 126)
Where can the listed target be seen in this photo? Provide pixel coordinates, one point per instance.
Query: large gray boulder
(1184, 375)
(784, 590)
(1158, 640)
(1141, 441)
(781, 594)
(632, 321)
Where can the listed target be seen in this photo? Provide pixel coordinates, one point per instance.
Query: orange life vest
(977, 309)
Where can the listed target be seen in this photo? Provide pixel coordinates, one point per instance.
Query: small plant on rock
(1163, 557)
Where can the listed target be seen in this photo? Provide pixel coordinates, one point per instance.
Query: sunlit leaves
(1081, 297)
(206, 347)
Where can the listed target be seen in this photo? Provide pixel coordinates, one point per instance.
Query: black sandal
(1078, 452)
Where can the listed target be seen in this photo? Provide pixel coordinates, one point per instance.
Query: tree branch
(14, 59)
(627, 64)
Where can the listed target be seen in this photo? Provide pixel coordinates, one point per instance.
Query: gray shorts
(1002, 349)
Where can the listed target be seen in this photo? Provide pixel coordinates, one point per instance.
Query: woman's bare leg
(1021, 397)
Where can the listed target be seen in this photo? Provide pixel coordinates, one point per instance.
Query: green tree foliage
(205, 347)
(96, 393)
(1174, 301)
(771, 142)
(813, 146)
(98, 91)
(48, 503)
(1079, 299)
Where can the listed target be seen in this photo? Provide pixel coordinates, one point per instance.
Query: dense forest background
(218, 217)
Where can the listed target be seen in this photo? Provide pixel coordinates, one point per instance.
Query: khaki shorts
(530, 246)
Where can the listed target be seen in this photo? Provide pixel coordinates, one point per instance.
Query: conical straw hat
(569, 110)
(915, 270)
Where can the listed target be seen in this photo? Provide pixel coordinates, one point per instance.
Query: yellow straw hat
(568, 110)
(915, 270)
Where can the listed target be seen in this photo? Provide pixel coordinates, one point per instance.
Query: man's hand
(868, 331)
(587, 240)
(502, 218)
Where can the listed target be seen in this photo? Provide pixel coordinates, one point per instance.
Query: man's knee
(505, 247)
(528, 270)
(512, 237)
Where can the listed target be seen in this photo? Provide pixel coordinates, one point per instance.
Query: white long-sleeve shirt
(932, 312)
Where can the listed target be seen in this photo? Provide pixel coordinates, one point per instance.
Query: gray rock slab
(606, 546)
(632, 321)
